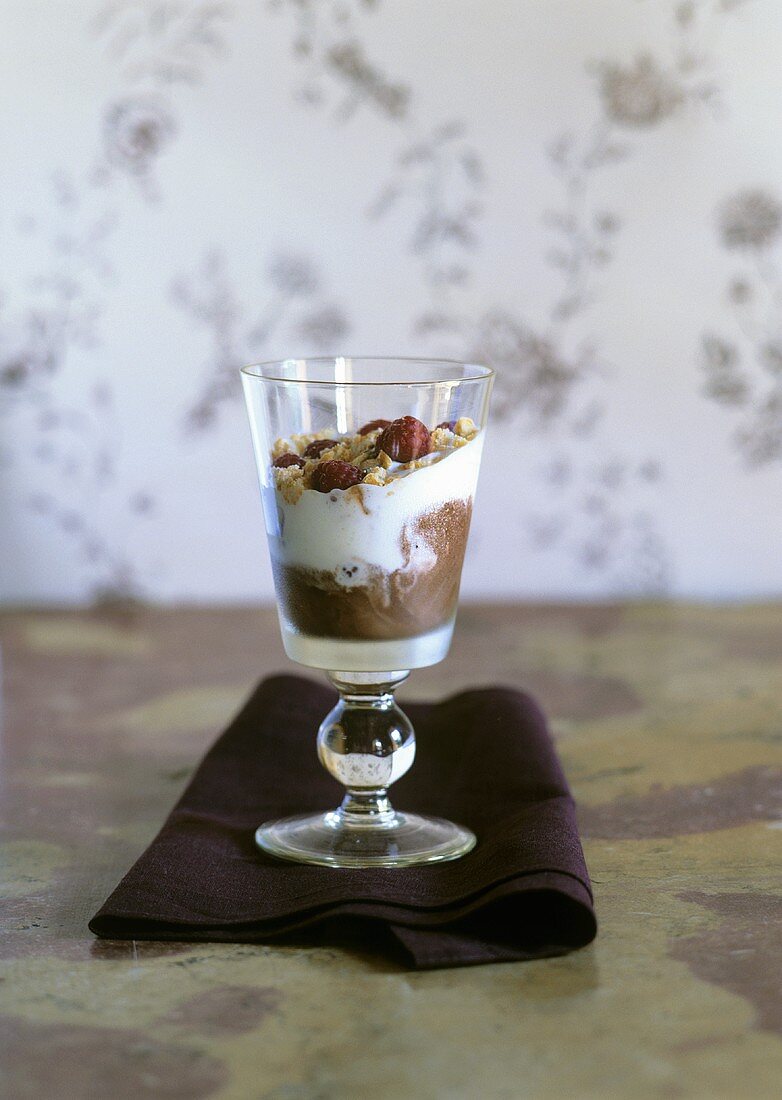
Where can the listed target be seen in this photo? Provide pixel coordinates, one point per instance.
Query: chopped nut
(373, 425)
(319, 447)
(406, 438)
(465, 427)
(335, 475)
(289, 459)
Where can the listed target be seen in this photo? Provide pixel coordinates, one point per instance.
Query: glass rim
(481, 372)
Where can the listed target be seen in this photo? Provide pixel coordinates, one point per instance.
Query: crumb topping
(361, 451)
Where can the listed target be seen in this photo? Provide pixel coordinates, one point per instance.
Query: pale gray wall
(586, 195)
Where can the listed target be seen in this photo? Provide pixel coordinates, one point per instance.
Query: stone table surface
(668, 719)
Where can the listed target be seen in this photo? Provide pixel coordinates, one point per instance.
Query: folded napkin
(485, 759)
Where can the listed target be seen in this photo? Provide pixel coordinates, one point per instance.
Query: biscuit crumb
(341, 453)
(283, 447)
(376, 476)
(442, 439)
(290, 482)
(363, 446)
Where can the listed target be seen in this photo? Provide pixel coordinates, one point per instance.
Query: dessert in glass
(368, 470)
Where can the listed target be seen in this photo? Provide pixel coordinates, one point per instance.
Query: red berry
(318, 446)
(449, 424)
(406, 439)
(335, 475)
(372, 425)
(286, 460)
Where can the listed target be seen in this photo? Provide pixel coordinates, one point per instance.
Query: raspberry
(372, 425)
(318, 446)
(286, 460)
(335, 475)
(405, 439)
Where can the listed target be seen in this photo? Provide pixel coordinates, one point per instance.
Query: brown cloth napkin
(484, 759)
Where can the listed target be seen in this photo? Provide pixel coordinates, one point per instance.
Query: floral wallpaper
(587, 197)
(744, 369)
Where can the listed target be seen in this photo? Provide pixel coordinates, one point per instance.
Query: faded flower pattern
(294, 276)
(76, 454)
(136, 131)
(744, 371)
(327, 45)
(163, 43)
(157, 46)
(439, 178)
(640, 94)
(598, 514)
(760, 439)
(532, 375)
(750, 219)
(347, 59)
(28, 349)
(724, 380)
(323, 328)
(293, 304)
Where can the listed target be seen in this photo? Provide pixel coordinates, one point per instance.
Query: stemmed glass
(367, 557)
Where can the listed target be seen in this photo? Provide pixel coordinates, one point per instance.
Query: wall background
(587, 196)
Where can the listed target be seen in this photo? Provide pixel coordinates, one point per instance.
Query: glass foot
(331, 840)
(366, 742)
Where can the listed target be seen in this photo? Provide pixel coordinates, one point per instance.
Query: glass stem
(366, 743)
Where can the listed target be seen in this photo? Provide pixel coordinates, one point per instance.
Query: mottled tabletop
(668, 719)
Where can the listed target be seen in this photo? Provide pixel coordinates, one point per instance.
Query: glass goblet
(367, 470)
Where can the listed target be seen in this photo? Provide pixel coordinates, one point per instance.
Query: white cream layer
(333, 533)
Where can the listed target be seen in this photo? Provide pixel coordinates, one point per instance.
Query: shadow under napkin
(484, 758)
